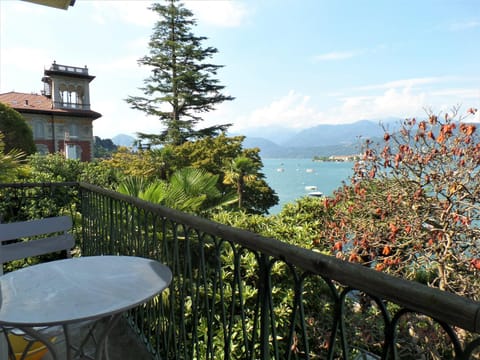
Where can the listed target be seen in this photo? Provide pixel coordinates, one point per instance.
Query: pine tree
(180, 78)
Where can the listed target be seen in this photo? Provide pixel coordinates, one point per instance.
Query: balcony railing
(236, 294)
(70, 105)
(69, 69)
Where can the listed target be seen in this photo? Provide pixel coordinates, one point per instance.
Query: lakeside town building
(60, 117)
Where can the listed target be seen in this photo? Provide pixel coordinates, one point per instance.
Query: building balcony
(70, 105)
(238, 295)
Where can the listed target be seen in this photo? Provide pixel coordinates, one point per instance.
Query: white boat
(315, 193)
(309, 170)
(311, 188)
(280, 169)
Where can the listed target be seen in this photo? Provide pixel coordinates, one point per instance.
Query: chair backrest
(48, 235)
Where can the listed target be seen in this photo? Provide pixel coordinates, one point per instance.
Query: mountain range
(320, 140)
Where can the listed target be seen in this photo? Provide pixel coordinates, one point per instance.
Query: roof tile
(41, 103)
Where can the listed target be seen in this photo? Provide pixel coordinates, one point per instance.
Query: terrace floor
(123, 344)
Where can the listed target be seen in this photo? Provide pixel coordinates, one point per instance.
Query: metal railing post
(264, 298)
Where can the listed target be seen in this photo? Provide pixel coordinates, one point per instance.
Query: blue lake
(289, 177)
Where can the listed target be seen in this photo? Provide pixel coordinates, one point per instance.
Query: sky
(289, 64)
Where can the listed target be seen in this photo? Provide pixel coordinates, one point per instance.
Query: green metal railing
(238, 295)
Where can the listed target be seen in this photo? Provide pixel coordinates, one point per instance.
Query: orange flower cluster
(393, 232)
(475, 263)
(467, 129)
(446, 131)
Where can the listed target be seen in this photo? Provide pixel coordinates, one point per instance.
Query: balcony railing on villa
(70, 105)
(238, 295)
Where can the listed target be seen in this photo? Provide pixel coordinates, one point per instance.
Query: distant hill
(275, 134)
(123, 140)
(269, 149)
(321, 140)
(264, 144)
(342, 134)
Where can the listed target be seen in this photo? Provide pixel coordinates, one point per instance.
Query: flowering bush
(412, 206)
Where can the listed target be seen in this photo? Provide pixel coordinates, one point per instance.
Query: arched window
(65, 96)
(73, 99)
(71, 96)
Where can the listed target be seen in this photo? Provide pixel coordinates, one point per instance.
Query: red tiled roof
(26, 101)
(39, 103)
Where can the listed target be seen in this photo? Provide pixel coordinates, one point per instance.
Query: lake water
(289, 177)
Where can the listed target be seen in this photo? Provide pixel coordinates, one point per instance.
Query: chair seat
(35, 350)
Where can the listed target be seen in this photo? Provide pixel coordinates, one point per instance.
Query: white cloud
(127, 63)
(219, 13)
(335, 55)
(20, 68)
(460, 26)
(405, 83)
(139, 44)
(131, 12)
(212, 12)
(118, 118)
(23, 57)
(396, 102)
(298, 111)
(24, 8)
(292, 110)
(392, 102)
(473, 94)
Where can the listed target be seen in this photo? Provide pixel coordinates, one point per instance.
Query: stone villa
(60, 117)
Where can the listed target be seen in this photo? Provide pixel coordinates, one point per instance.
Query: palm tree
(242, 169)
(133, 186)
(188, 189)
(10, 163)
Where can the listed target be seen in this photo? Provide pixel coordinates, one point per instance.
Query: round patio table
(75, 290)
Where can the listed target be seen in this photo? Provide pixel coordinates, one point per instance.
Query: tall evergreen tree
(180, 78)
